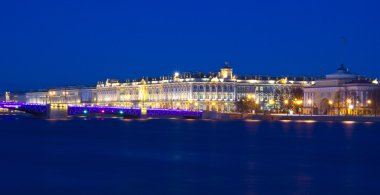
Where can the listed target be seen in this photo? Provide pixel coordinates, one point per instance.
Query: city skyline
(172, 74)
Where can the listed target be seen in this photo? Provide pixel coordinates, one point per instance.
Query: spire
(226, 65)
(342, 69)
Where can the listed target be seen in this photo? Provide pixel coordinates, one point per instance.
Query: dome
(341, 73)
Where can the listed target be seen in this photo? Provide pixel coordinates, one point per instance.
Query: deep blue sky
(53, 43)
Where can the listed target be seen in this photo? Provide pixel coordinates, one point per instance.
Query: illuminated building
(195, 91)
(188, 90)
(63, 96)
(340, 93)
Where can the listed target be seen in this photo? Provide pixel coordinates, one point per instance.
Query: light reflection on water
(305, 121)
(251, 120)
(348, 122)
(189, 156)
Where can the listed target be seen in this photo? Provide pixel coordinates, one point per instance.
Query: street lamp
(271, 102)
(349, 101)
(286, 102)
(330, 104)
(299, 102)
(369, 102)
(309, 102)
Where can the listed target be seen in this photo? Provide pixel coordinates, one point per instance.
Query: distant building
(340, 93)
(66, 95)
(13, 97)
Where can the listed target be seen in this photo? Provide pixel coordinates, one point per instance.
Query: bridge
(35, 109)
(171, 112)
(107, 110)
(49, 111)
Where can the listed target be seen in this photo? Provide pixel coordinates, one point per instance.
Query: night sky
(55, 43)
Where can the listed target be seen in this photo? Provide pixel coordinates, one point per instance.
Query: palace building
(340, 93)
(196, 91)
(188, 90)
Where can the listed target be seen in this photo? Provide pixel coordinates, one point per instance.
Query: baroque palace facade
(195, 91)
(192, 91)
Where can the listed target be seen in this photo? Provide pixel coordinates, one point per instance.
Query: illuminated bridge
(48, 110)
(35, 109)
(121, 111)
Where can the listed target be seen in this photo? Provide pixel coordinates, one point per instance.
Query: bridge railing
(171, 112)
(80, 110)
(26, 107)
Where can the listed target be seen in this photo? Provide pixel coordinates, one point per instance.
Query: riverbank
(222, 116)
(317, 118)
(270, 117)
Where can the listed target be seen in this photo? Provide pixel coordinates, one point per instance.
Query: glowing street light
(299, 103)
(349, 105)
(311, 106)
(196, 104)
(330, 104)
(369, 102)
(286, 102)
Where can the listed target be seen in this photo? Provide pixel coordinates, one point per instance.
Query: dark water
(115, 156)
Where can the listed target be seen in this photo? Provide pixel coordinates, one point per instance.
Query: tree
(281, 94)
(375, 101)
(246, 105)
(296, 95)
(288, 97)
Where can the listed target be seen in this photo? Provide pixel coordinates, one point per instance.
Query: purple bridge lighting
(37, 109)
(45, 110)
(80, 110)
(168, 112)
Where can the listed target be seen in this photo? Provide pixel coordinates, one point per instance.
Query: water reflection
(348, 129)
(190, 156)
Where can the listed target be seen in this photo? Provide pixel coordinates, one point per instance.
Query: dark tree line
(286, 97)
(246, 105)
